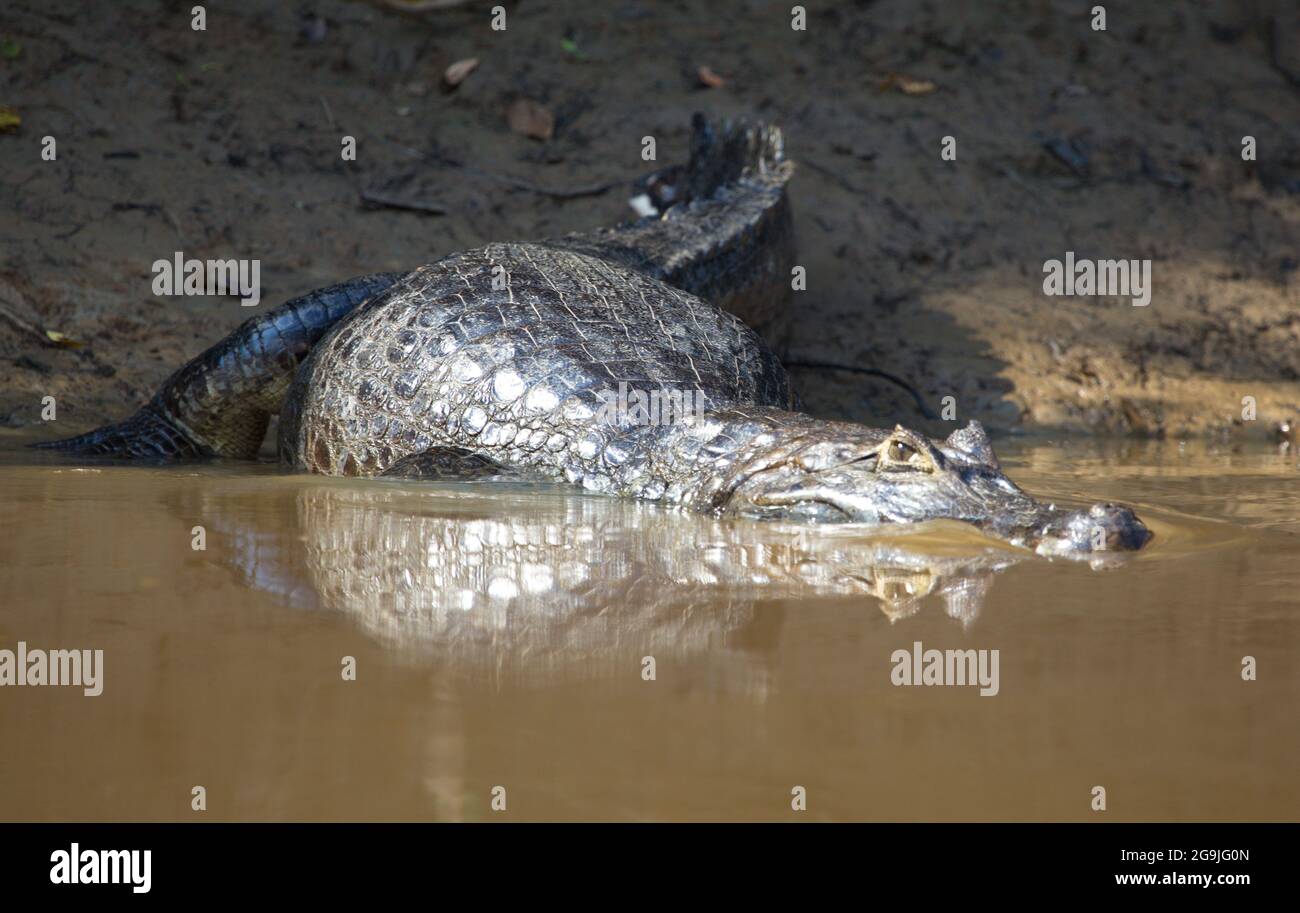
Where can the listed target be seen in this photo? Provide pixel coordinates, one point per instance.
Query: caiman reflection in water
(499, 633)
(569, 579)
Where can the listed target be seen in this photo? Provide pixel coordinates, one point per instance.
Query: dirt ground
(1117, 144)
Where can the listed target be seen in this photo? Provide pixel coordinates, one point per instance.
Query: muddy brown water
(501, 635)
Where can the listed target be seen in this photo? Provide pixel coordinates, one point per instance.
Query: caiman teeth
(790, 497)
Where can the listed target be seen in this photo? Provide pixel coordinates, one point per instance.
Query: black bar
(330, 861)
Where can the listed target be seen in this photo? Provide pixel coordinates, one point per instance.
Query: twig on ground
(329, 113)
(1009, 172)
(832, 175)
(420, 6)
(24, 325)
(388, 201)
(559, 193)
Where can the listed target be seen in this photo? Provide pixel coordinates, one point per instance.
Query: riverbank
(1125, 143)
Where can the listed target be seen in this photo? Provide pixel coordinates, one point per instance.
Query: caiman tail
(720, 226)
(220, 403)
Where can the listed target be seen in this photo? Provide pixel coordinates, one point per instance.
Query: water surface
(500, 635)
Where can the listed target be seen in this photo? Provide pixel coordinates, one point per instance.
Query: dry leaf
(531, 119)
(457, 72)
(710, 79)
(64, 341)
(907, 85)
(911, 86)
(10, 119)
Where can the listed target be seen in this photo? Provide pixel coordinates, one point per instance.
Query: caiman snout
(854, 476)
(1098, 529)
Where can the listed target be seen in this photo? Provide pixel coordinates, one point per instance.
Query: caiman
(505, 359)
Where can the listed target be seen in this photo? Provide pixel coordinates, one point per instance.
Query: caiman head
(847, 473)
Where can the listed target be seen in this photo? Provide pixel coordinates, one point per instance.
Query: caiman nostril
(1097, 530)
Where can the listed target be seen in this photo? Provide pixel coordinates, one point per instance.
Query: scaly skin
(727, 235)
(505, 351)
(502, 356)
(564, 575)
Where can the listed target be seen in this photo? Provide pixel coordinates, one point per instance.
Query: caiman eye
(899, 454)
(901, 451)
